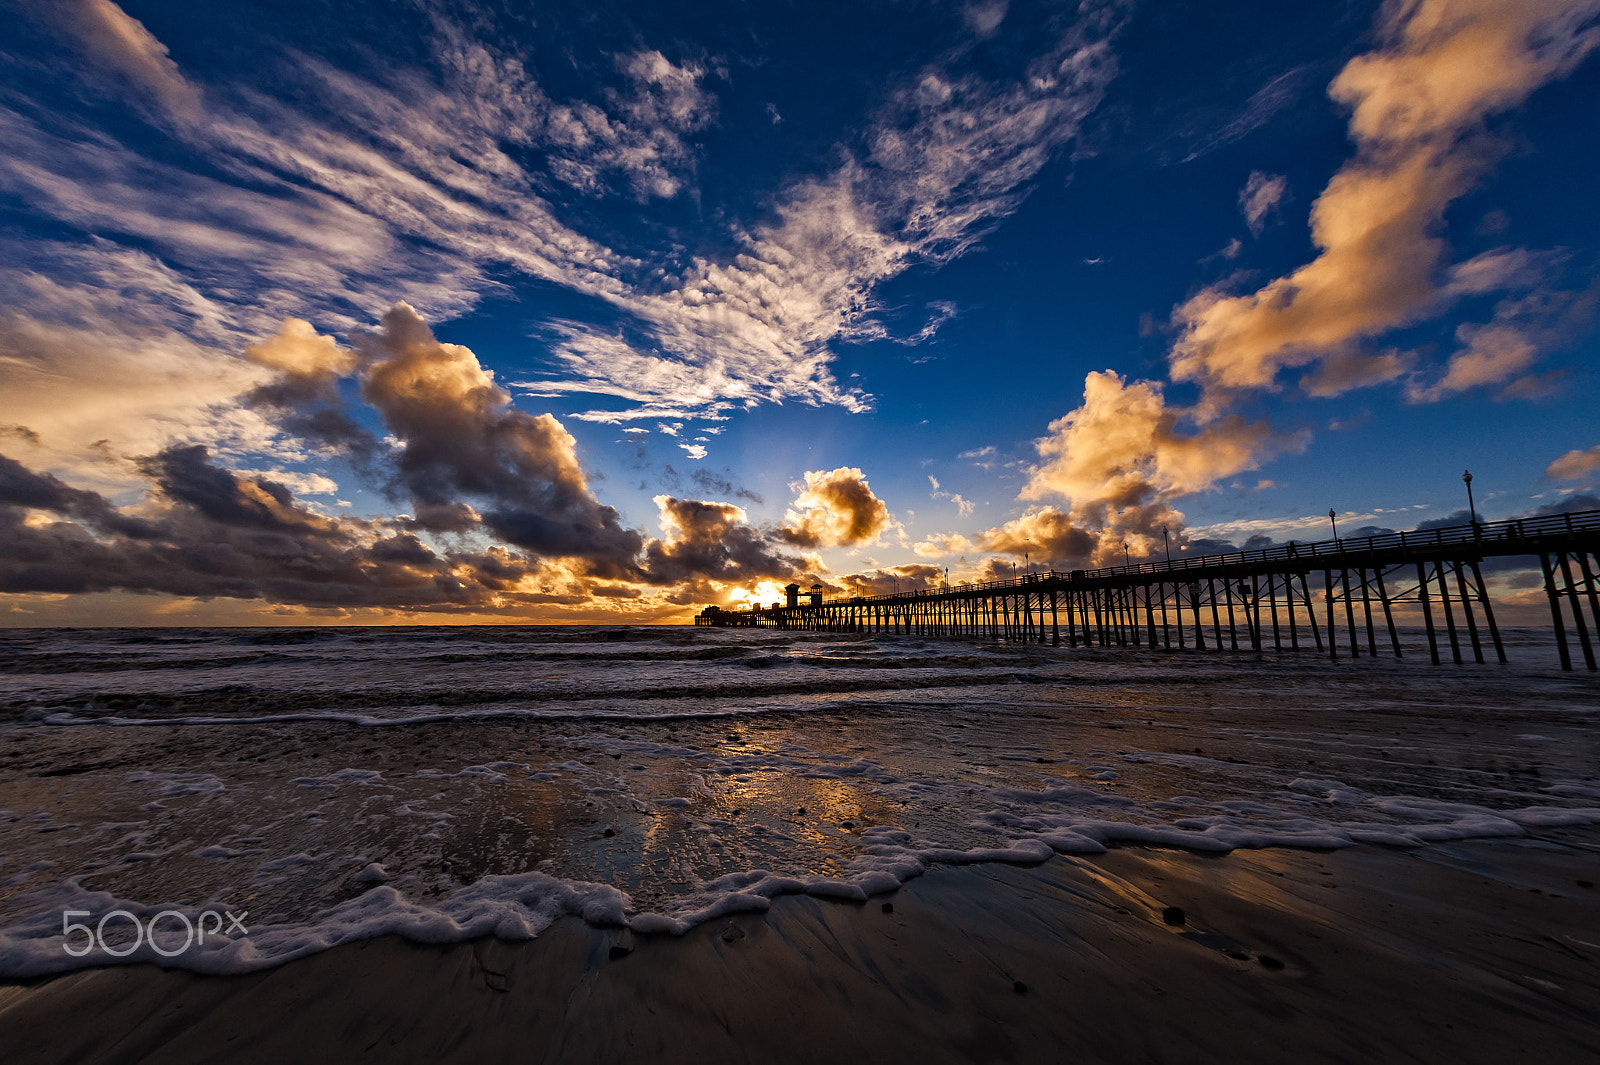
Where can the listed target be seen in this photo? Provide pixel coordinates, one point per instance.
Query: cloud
(93, 381)
(461, 441)
(206, 532)
(944, 545)
(1575, 464)
(837, 508)
(963, 506)
(1278, 93)
(1417, 108)
(1123, 443)
(1044, 534)
(904, 578)
(943, 311)
(945, 160)
(438, 182)
(1261, 195)
(703, 540)
(304, 399)
(643, 137)
(119, 44)
(696, 451)
(984, 18)
(1119, 459)
(1503, 350)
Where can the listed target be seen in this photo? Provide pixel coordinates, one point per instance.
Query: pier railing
(1104, 606)
(1522, 535)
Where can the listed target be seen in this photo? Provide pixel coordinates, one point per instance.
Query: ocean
(325, 785)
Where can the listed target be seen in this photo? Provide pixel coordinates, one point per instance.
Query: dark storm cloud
(713, 540)
(304, 399)
(910, 577)
(210, 533)
(461, 440)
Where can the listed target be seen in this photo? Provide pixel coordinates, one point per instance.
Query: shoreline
(1479, 950)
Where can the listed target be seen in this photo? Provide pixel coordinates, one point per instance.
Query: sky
(437, 312)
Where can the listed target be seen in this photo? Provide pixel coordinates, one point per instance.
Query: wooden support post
(1449, 616)
(1333, 636)
(1199, 623)
(1577, 614)
(1589, 586)
(1388, 612)
(1555, 611)
(1216, 622)
(1253, 610)
(1288, 600)
(1350, 614)
(1055, 621)
(1488, 610)
(1272, 603)
(1311, 611)
(1366, 605)
(1233, 630)
(1150, 615)
(1466, 608)
(1427, 613)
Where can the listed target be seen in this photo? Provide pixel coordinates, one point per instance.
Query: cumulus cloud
(303, 399)
(1261, 195)
(837, 508)
(1417, 109)
(1047, 533)
(713, 541)
(912, 576)
(1119, 459)
(461, 440)
(944, 545)
(1123, 443)
(1575, 464)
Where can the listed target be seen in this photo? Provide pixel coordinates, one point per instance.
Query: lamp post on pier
(1335, 519)
(1166, 543)
(1126, 561)
(1472, 508)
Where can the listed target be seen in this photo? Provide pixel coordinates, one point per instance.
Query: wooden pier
(1255, 600)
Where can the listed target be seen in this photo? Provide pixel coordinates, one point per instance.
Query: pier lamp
(1125, 560)
(1472, 508)
(1166, 543)
(1333, 517)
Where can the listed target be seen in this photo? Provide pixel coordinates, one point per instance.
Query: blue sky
(456, 311)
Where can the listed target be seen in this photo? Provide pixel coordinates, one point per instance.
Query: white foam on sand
(1030, 827)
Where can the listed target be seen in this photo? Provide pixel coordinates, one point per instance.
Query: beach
(1470, 952)
(638, 844)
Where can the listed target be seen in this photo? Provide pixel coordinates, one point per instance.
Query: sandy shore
(1470, 952)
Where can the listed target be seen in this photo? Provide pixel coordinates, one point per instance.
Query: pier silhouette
(1252, 600)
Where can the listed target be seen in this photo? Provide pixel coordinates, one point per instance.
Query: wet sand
(1482, 951)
